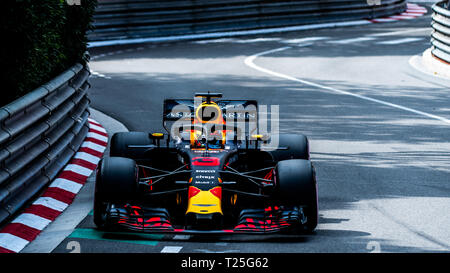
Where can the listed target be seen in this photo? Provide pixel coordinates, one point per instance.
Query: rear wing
(238, 110)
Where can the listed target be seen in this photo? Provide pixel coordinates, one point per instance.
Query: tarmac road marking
(402, 17)
(171, 249)
(352, 40)
(399, 41)
(383, 20)
(249, 61)
(97, 74)
(123, 237)
(182, 237)
(217, 251)
(303, 40)
(400, 32)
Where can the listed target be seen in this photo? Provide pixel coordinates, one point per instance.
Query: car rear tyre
(116, 181)
(121, 141)
(293, 146)
(296, 186)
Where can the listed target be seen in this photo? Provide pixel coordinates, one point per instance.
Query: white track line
(400, 32)
(249, 61)
(303, 40)
(213, 41)
(171, 249)
(182, 237)
(399, 41)
(352, 40)
(383, 20)
(402, 17)
(97, 74)
(255, 40)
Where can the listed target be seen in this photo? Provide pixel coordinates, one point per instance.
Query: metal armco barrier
(122, 19)
(440, 38)
(39, 134)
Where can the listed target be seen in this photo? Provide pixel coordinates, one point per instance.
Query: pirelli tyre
(121, 142)
(116, 181)
(296, 186)
(291, 146)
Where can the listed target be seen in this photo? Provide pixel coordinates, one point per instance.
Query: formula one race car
(208, 175)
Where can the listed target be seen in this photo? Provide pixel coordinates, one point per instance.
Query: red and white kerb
(412, 11)
(59, 194)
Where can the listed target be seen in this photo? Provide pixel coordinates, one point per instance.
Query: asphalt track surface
(378, 129)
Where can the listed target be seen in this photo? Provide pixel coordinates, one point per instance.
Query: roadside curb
(57, 231)
(58, 195)
(434, 65)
